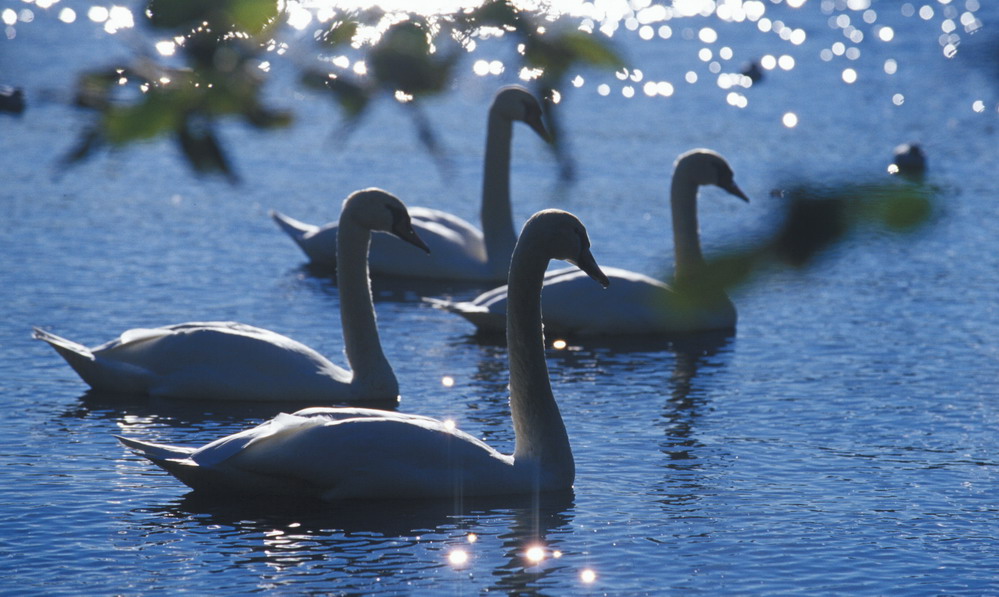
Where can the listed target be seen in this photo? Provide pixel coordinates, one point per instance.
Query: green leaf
(177, 14)
(253, 16)
(156, 114)
(340, 33)
(402, 61)
(589, 50)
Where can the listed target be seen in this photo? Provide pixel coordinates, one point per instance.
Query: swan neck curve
(541, 438)
(497, 214)
(686, 235)
(372, 374)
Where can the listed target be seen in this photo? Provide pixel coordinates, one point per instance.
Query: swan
(234, 361)
(635, 304)
(335, 453)
(459, 251)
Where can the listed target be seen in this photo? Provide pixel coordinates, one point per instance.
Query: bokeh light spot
(535, 554)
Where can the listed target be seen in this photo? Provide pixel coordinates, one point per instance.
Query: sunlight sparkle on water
(559, 344)
(535, 554)
(587, 575)
(447, 381)
(166, 48)
(790, 120)
(457, 557)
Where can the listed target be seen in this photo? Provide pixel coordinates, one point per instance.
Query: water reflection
(183, 422)
(686, 400)
(531, 557)
(357, 542)
(386, 288)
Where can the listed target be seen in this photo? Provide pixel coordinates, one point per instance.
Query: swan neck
(367, 361)
(497, 214)
(686, 235)
(541, 438)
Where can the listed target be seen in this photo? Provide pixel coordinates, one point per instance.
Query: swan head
(514, 102)
(565, 238)
(380, 211)
(704, 167)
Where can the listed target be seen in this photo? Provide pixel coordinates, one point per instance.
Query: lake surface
(843, 440)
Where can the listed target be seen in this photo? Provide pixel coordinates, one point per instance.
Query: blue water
(844, 440)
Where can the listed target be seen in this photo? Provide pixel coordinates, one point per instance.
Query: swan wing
(220, 360)
(457, 248)
(633, 304)
(375, 454)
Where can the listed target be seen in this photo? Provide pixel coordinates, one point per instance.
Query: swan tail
(155, 452)
(216, 479)
(481, 317)
(98, 372)
(68, 349)
(292, 227)
(173, 459)
(79, 357)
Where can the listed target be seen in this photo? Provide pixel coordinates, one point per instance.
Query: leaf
(499, 14)
(253, 16)
(589, 50)
(177, 14)
(353, 98)
(156, 114)
(86, 144)
(222, 16)
(402, 61)
(340, 33)
(203, 151)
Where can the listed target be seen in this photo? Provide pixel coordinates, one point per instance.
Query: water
(842, 441)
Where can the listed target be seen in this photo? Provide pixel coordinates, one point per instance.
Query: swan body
(634, 304)
(458, 250)
(336, 453)
(234, 361)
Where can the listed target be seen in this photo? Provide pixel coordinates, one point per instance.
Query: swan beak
(404, 230)
(734, 189)
(538, 126)
(588, 264)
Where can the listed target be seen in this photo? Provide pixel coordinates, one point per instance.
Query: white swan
(458, 250)
(634, 304)
(233, 361)
(333, 453)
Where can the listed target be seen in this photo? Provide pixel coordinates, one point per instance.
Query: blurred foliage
(215, 73)
(219, 42)
(817, 219)
(220, 45)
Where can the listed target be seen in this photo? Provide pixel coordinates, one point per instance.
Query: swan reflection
(357, 542)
